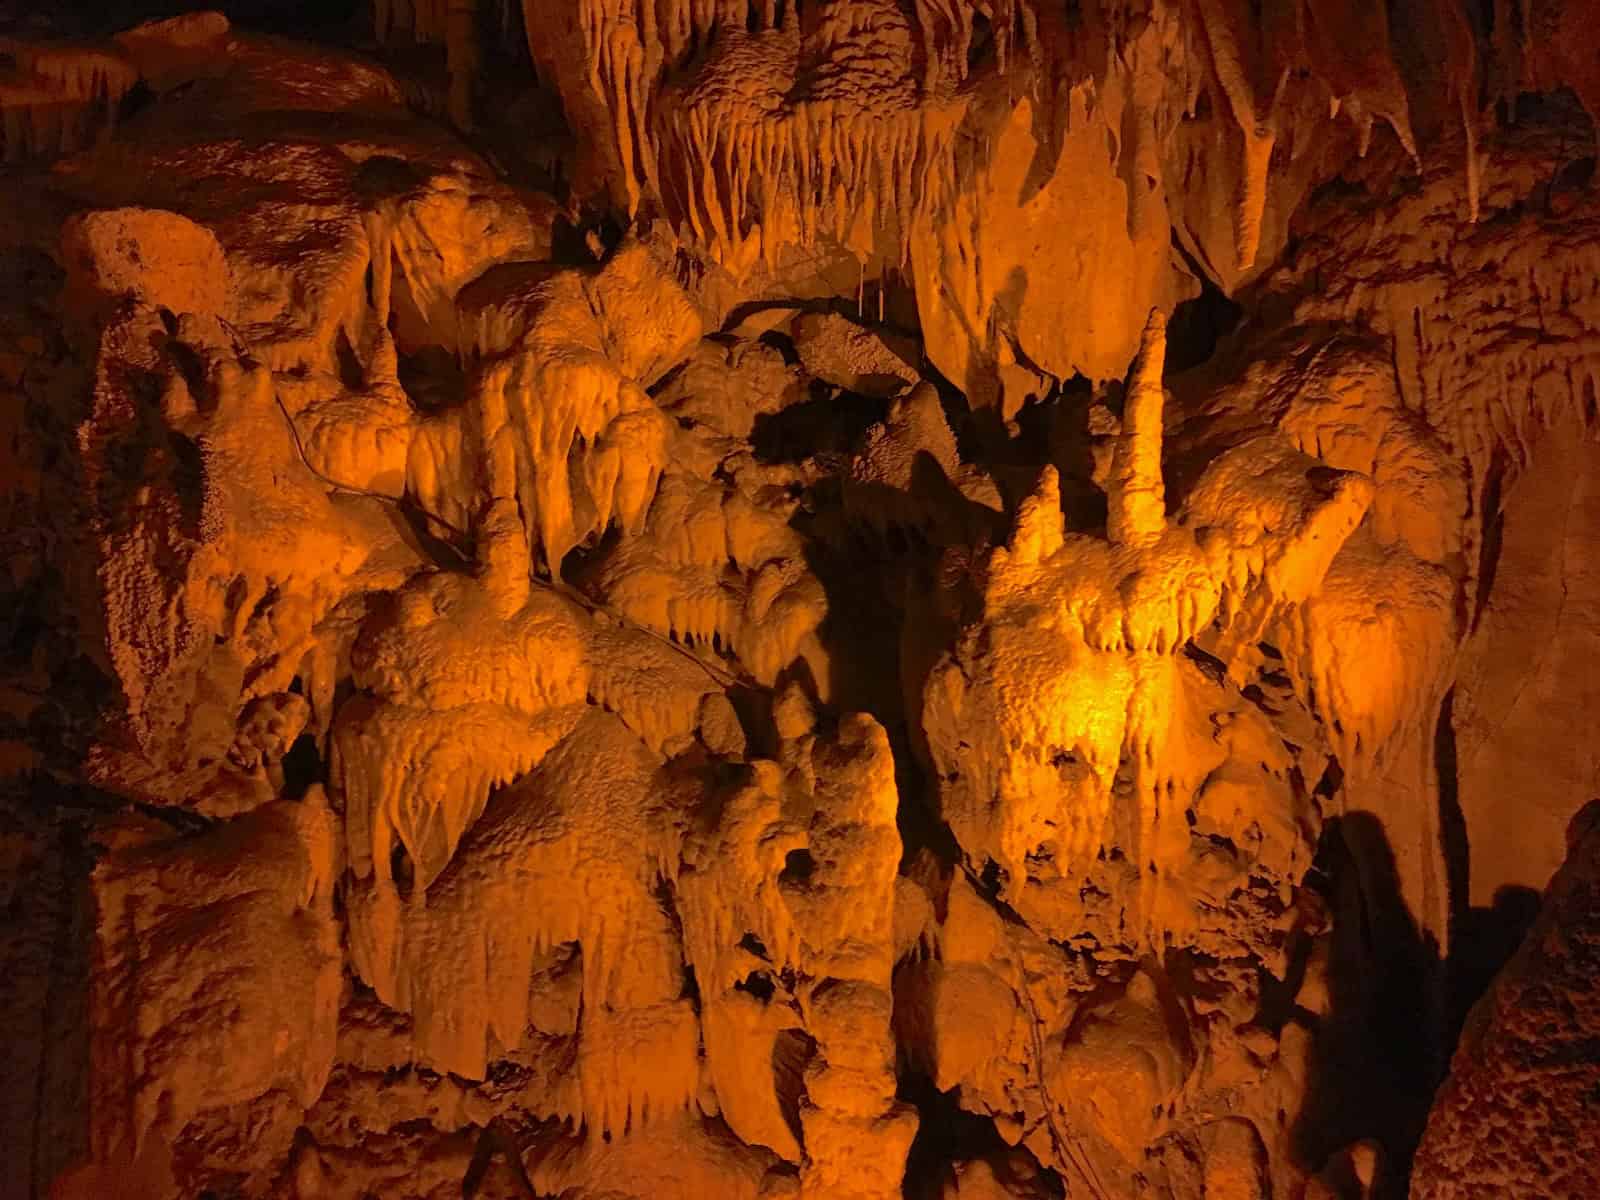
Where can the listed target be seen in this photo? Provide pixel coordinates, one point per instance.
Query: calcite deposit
(831, 599)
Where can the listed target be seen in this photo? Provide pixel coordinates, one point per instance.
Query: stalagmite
(451, 715)
(1101, 687)
(1520, 1074)
(1136, 498)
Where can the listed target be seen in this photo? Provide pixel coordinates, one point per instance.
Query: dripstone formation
(832, 599)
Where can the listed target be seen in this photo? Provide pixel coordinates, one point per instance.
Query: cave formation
(837, 599)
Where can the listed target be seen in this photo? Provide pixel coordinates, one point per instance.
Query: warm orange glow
(836, 599)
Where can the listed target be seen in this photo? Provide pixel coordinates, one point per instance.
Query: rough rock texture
(843, 599)
(1514, 1116)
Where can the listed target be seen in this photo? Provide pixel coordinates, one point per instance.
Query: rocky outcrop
(1521, 1090)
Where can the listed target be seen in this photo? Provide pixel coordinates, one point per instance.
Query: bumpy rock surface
(845, 599)
(1518, 1109)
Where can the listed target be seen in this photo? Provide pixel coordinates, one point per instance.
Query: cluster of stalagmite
(795, 667)
(1074, 661)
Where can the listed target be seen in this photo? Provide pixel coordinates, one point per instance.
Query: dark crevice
(302, 767)
(792, 1050)
(798, 868)
(1494, 521)
(829, 423)
(401, 871)
(949, 1137)
(1197, 326)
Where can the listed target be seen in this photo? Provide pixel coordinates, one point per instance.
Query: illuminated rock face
(756, 642)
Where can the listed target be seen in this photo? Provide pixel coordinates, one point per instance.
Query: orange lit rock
(840, 600)
(157, 257)
(172, 914)
(1076, 660)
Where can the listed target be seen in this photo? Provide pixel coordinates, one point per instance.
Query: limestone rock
(1521, 1084)
(840, 600)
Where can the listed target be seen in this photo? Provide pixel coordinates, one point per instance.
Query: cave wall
(840, 599)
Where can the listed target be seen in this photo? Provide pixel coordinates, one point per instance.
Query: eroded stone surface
(1513, 1114)
(718, 653)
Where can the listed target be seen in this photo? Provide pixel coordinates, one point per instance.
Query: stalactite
(60, 96)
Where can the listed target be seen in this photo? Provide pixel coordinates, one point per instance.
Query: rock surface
(840, 600)
(1514, 1115)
